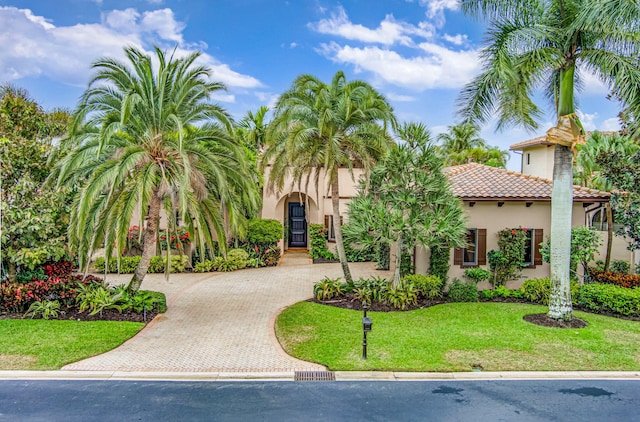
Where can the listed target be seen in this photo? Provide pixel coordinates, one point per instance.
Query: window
(528, 158)
(475, 253)
(328, 224)
(469, 256)
(532, 256)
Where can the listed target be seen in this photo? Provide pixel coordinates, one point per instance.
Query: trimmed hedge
(609, 298)
(538, 290)
(610, 277)
(430, 286)
(128, 264)
(262, 230)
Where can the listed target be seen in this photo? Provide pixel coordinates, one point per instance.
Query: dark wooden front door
(297, 226)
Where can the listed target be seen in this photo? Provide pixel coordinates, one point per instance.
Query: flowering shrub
(506, 263)
(610, 277)
(178, 236)
(134, 238)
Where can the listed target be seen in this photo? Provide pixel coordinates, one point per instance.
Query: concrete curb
(289, 376)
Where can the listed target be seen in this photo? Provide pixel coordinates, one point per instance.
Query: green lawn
(40, 344)
(456, 337)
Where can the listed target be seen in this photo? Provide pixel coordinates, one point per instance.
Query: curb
(289, 376)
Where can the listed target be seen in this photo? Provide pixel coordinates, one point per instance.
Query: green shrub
(502, 291)
(127, 265)
(609, 298)
(238, 257)
(538, 290)
(158, 263)
(262, 230)
(406, 264)
(318, 241)
(487, 294)
(369, 290)
(619, 266)
(359, 254)
(477, 274)
(160, 300)
(204, 266)
(383, 256)
(403, 296)
(428, 286)
(439, 262)
(463, 292)
(328, 288)
(25, 275)
(146, 300)
(46, 309)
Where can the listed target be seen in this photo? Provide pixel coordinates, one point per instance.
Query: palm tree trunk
(607, 259)
(149, 248)
(337, 227)
(396, 271)
(560, 306)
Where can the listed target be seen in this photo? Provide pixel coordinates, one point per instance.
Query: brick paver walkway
(220, 322)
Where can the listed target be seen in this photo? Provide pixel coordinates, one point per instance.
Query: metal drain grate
(314, 376)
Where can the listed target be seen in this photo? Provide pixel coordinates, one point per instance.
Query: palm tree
(322, 128)
(541, 43)
(458, 140)
(146, 138)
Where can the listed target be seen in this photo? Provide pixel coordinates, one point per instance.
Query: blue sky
(418, 53)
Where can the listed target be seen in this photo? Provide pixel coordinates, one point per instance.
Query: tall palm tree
(320, 127)
(145, 137)
(543, 44)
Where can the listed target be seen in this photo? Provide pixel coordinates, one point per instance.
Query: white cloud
(591, 85)
(435, 67)
(588, 120)
(436, 9)
(610, 125)
(399, 97)
(389, 31)
(457, 39)
(33, 46)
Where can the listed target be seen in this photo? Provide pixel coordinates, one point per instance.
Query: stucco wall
(487, 215)
(540, 161)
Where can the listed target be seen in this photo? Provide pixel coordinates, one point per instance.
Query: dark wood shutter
(326, 222)
(482, 247)
(537, 240)
(457, 256)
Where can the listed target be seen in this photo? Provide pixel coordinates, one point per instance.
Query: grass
(41, 344)
(457, 337)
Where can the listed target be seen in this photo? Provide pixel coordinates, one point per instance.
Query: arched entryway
(297, 225)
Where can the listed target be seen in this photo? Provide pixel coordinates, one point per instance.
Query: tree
(407, 200)
(623, 172)
(540, 43)
(33, 214)
(146, 138)
(320, 127)
(462, 144)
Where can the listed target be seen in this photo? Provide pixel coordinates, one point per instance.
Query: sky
(418, 53)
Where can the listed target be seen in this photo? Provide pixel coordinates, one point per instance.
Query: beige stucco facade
(538, 161)
(317, 204)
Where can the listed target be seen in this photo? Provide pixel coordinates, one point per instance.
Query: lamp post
(366, 327)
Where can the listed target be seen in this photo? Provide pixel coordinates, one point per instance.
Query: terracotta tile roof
(540, 140)
(475, 181)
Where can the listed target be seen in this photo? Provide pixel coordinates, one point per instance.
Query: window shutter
(457, 256)
(482, 247)
(537, 240)
(341, 223)
(326, 222)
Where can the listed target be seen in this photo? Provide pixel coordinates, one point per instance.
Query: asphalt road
(540, 400)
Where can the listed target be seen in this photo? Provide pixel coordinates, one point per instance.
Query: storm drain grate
(314, 376)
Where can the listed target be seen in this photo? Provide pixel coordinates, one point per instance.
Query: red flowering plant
(179, 236)
(134, 239)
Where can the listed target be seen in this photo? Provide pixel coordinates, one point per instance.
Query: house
(495, 199)
(537, 160)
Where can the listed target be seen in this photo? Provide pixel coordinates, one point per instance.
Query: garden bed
(107, 315)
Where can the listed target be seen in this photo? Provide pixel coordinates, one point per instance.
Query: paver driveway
(221, 322)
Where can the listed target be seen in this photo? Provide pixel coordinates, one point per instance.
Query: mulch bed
(107, 315)
(545, 321)
(349, 301)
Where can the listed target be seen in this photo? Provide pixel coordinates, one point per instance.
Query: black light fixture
(500, 204)
(528, 204)
(472, 203)
(366, 328)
